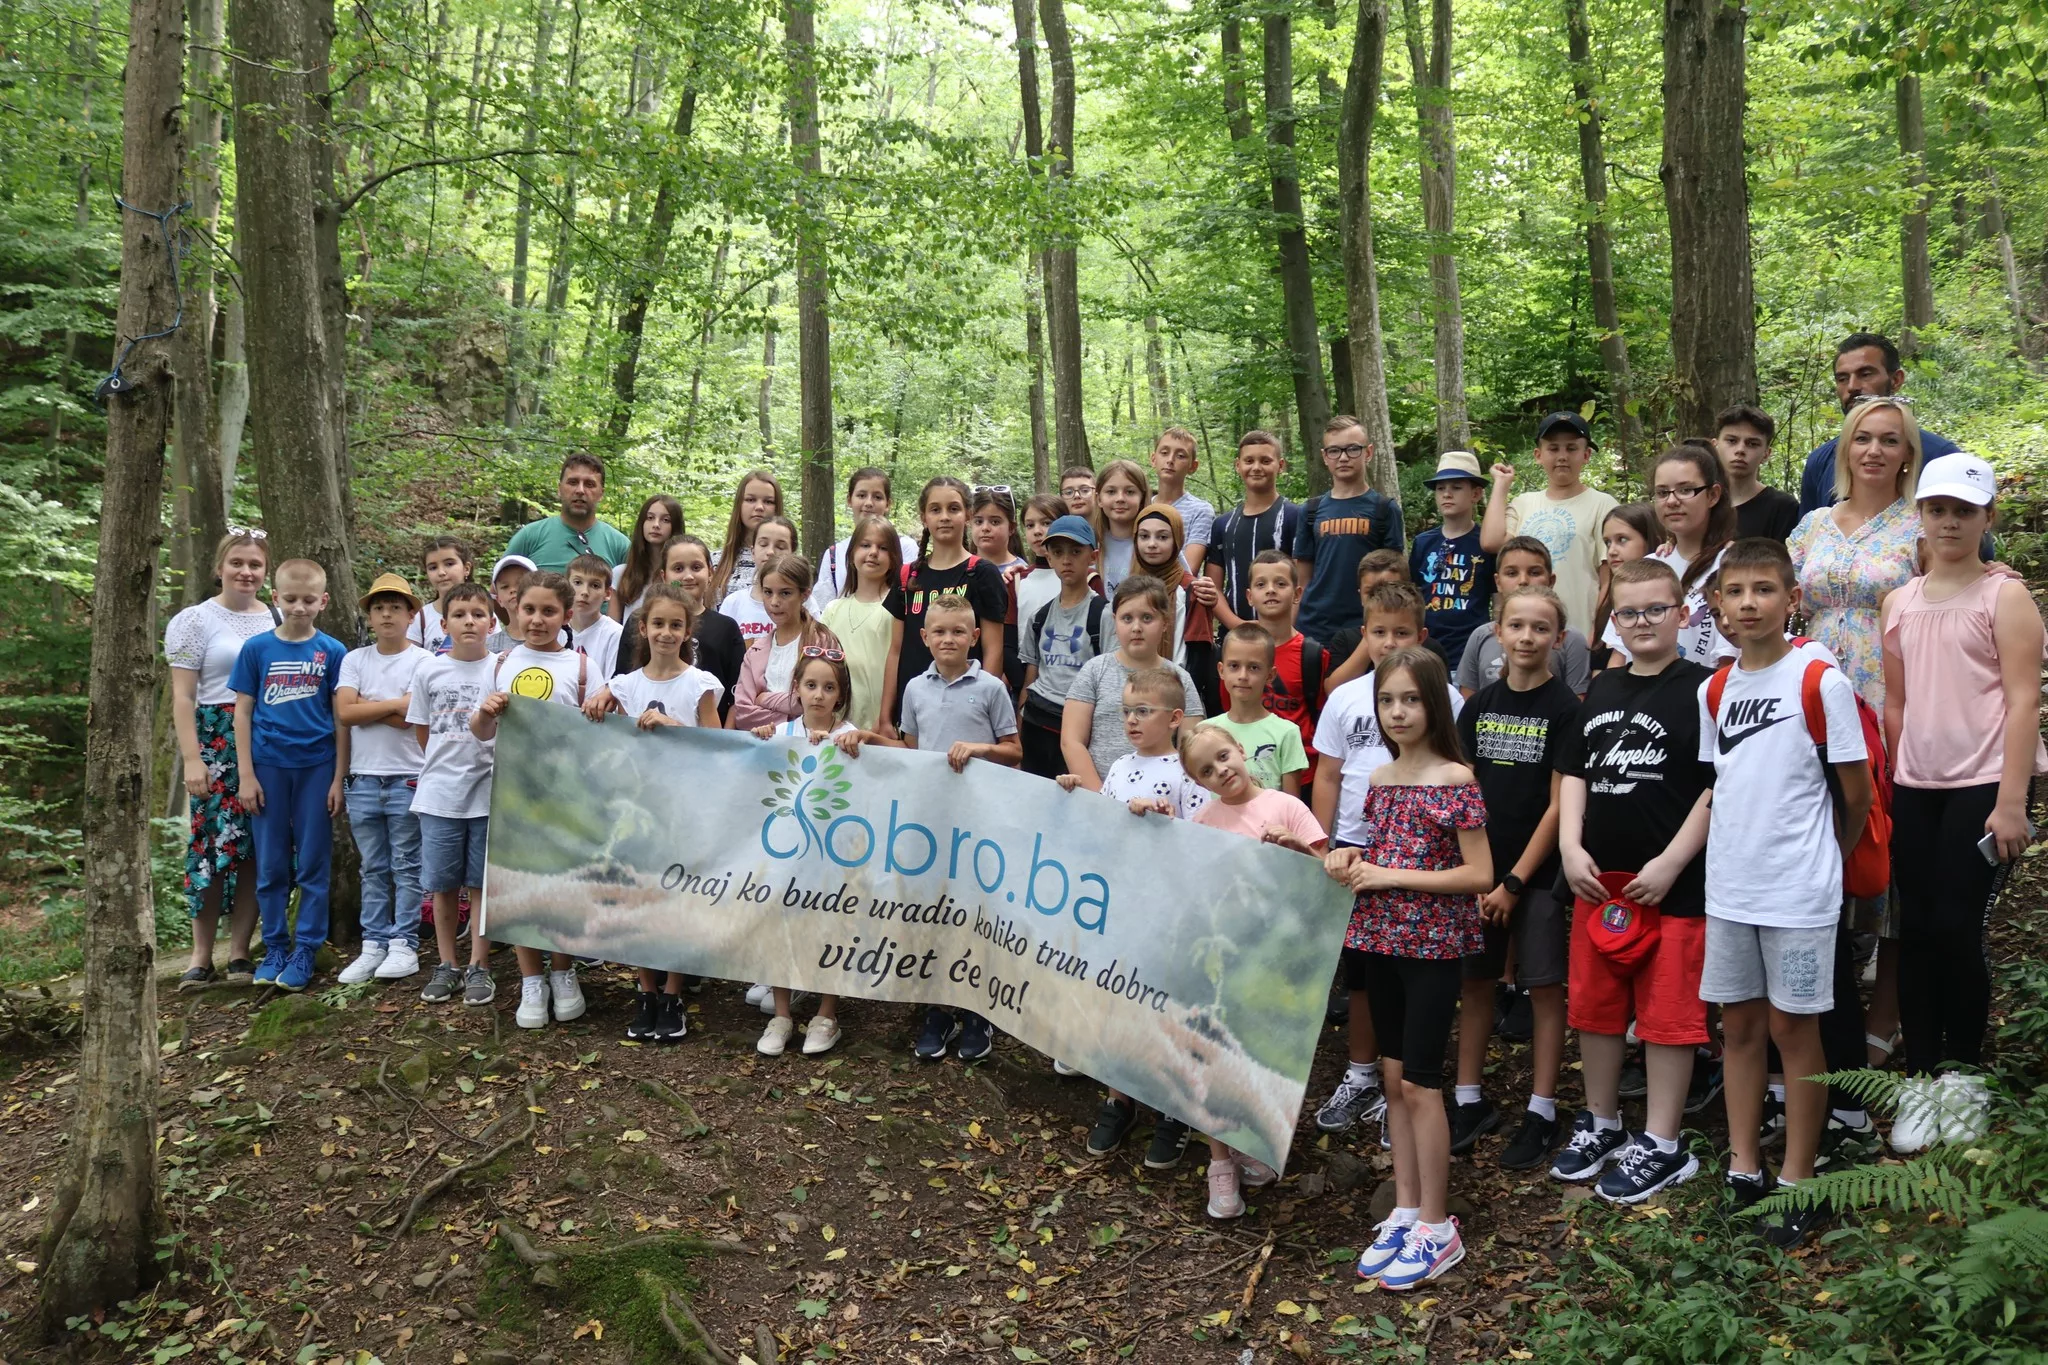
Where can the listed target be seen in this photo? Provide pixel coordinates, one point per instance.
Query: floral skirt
(219, 850)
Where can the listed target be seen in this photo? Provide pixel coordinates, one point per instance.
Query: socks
(1469, 1094)
(1783, 1183)
(1778, 1091)
(1443, 1232)
(1667, 1146)
(1401, 1216)
(1544, 1107)
(1756, 1175)
(1601, 1125)
(1363, 1073)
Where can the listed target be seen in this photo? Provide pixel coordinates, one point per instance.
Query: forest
(363, 274)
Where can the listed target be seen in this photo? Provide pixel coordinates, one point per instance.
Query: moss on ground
(622, 1287)
(286, 1018)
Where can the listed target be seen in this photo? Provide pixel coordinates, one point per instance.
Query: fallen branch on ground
(450, 1176)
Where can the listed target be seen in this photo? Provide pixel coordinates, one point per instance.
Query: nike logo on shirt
(1752, 714)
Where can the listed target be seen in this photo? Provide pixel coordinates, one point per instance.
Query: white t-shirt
(782, 664)
(1136, 778)
(382, 750)
(1772, 855)
(744, 610)
(1349, 730)
(675, 697)
(794, 728)
(206, 639)
(455, 778)
(835, 572)
(1034, 590)
(559, 675)
(428, 631)
(600, 640)
(1699, 637)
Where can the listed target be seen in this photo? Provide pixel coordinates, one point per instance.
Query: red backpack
(1867, 870)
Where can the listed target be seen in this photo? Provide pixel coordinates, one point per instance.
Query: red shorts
(1662, 995)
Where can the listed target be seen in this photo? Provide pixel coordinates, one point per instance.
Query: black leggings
(1946, 891)
(1413, 1001)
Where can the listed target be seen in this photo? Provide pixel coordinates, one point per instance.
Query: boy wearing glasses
(1634, 802)
(1565, 514)
(1338, 529)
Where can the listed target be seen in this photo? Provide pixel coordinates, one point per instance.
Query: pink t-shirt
(1953, 734)
(1265, 809)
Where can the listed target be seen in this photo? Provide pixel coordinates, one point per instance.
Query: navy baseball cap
(1569, 420)
(1072, 528)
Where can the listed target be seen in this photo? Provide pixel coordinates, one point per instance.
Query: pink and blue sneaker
(1388, 1239)
(1423, 1258)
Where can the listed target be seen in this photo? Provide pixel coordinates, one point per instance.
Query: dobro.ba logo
(809, 814)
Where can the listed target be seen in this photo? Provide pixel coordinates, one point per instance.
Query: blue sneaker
(298, 970)
(940, 1029)
(1423, 1258)
(1389, 1237)
(267, 970)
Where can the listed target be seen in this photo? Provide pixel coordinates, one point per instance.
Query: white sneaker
(366, 963)
(1965, 1107)
(775, 1038)
(820, 1035)
(533, 1002)
(1060, 1068)
(760, 991)
(1917, 1122)
(568, 995)
(768, 1001)
(401, 960)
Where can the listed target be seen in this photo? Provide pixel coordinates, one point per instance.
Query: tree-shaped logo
(812, 789)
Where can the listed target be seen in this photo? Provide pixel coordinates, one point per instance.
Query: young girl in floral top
(1419, 872)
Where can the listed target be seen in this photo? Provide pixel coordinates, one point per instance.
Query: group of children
(1641, 821)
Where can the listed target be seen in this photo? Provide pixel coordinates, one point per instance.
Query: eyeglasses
(1679, 494)
(1143, 712)
(1345, 452)
(825, 652)
(1629, 616)
(248, 533)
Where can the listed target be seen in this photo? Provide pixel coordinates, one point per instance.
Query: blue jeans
(294, 839)
(388, 837)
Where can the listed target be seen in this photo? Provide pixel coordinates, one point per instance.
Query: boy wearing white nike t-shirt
(1774, 865)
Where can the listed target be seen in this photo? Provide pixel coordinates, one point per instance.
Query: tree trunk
(1297, 283)
(1361, 271)
(813, 323)
(1706, 197)
(704, 329)
(1155, 373)
(1062, 270)
(291, 398)
(1023, 14)
(2009, 269)
(1916, 275)
(522, 217)
(1343, 387)
(231, 403)
(325, 149)
(1042, 476)
(768, 330)
(100, 1245)
(84, 55)
(639, 293)
(561, 259)
(202, 510)
(1437, 159)
(1599, 250)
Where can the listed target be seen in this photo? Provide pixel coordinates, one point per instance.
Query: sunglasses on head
(1897, 400)
(825, 652)
(248, 533)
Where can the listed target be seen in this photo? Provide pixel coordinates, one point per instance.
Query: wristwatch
(1512, 883)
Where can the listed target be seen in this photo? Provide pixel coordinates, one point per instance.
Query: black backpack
(1097, 604)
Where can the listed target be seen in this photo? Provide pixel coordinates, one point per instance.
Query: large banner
(1182, 965)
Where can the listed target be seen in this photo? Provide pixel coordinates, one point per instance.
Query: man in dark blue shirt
(1866, 366)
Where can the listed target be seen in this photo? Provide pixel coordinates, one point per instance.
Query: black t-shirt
(1236, 538)
(1512, 740)
(1636, 744)
(720, 650)
(1772, 512)
(974, 578)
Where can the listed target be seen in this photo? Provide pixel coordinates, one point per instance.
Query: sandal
(1887, 1046)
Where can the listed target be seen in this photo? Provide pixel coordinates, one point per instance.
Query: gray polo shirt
(974, 706)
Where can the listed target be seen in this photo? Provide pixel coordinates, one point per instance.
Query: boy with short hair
(1446, 561)
(1349, 656)
(1294, 692)
(1511, 731)
(1523, 562)
(382, 758)
(1338, 529)
(1173, 460)
(1742, 438)
(1566, 514)
(1786, 814)
(594, 630)
(291, 758)
(453, 799)
(1633, 806)
(1274, 754)
(956, 709)
(1064, 634)
(1263, 521)
(1348, 734)
(508, 576)
(1077, 491)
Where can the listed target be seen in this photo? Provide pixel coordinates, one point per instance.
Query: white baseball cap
(512, 562)
(1959, 475)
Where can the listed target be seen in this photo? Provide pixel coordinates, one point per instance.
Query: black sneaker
(1773, 1130)
(1704, 1085)
(1788, 1229)
(442, 985)
(940, 1028)
(1635, 1081)
(1842, 1144)
(641, 1028)
(1517, 1022)
(241, 971)
(1589, 1150)
(977, 1039)
(671, 1024)
(1169, 1140)
(1350, 1102)
(1744, 1191)
(195, 979)
(1113, 1123)
(1534, 1139)
(1641, 1171)
(1470, 1122)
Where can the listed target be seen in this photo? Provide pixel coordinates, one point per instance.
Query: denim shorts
(452, 852)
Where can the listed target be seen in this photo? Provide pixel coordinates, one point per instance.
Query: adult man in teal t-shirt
(553, 541)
